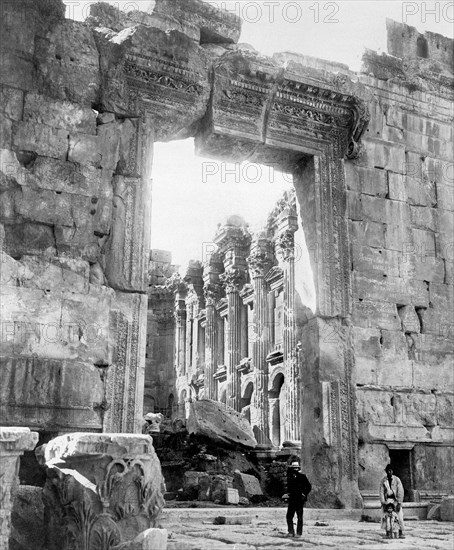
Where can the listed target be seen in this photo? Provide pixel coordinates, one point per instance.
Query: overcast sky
(191, 196)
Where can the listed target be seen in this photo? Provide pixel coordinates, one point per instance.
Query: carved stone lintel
(101, 489)
(13, 443)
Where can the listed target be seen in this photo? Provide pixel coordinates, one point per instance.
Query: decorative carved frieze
(124, 379)
(278, 110)
(156, 76)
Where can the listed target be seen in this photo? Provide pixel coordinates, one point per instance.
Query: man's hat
(388, 467)
(294, 464)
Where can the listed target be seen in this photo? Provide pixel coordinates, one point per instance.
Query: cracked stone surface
(268, 531)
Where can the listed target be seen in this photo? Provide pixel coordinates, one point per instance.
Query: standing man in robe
(391, 490)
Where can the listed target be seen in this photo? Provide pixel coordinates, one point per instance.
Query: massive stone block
(68, 63)
(220, 423)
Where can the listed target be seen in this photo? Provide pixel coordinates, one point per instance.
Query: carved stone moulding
(175, 94)
(101, 490)
(259, 103)
(124, 379)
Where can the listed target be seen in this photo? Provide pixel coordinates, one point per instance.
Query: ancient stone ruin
(368, 377)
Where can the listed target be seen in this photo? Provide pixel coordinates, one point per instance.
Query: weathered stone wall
(73, 283)
(400, 207)
(75, 214)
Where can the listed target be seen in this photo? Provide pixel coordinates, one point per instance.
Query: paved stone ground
(266, 530)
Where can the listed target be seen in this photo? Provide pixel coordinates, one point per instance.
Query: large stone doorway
(299, 122)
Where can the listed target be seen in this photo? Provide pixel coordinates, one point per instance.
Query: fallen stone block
(447, 509)
(232, 496)
(220, 423)
(248, 486)
(219, 486)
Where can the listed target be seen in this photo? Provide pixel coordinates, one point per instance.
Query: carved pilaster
(13, 443)
(124, 379)
(101, 490)
(322, 198)
(127, 251)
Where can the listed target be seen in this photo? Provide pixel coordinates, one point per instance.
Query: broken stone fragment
(248, 486)
(151, 539)
(102, 485)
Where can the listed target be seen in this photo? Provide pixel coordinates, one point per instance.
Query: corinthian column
(233, 280)
(210, 343)
(233, 240)
(286, 248)
(180, 336)
(212, 289)
(259, 264)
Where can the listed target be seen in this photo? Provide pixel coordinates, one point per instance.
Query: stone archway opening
(277, 414)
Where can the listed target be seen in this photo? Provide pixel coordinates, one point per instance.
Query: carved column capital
(113, 493)
(285, 243)
(259, 260)
(211, 292)
(233, 280)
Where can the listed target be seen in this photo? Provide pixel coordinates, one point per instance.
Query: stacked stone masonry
(371, 155)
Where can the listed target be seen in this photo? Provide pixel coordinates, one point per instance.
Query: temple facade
(228, 329)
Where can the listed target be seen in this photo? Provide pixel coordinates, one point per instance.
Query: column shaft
(180, 342)
(293, 419)
(211, 351)
(233, 349)
(260, 350)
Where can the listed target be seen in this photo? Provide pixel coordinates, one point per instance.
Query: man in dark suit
(298, 488)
